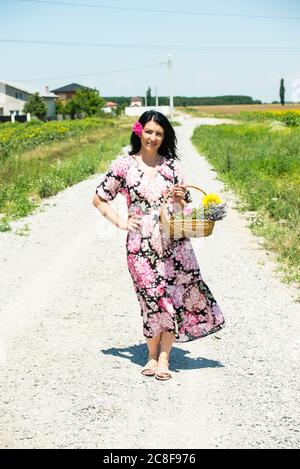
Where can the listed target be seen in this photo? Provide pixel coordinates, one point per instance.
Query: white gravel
(71, 343)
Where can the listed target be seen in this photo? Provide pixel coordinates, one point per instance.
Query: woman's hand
(133, 223)
(179, 194)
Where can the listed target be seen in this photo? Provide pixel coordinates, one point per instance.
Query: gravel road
(71, 343)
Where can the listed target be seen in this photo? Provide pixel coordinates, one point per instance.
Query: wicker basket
(184, 228)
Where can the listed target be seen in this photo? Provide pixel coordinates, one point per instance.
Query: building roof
(29, 90)
(69, 88)
(135, 98)
(110, 104)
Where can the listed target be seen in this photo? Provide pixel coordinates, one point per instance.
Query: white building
(139, 110)
(110, 107)
(136, 101)
(13, 97)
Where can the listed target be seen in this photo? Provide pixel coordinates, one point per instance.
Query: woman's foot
(162, 371)
(150, 367)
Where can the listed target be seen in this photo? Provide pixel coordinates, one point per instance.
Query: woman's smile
(152, 136)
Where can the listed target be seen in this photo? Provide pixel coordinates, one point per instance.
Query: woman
(176, 304)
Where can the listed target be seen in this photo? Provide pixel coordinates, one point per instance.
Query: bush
(291, 119)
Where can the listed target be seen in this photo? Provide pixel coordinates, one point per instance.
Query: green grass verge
(25, 136)
(262, 166)
(27, 178)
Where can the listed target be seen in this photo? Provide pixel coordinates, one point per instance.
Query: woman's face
(152, 136)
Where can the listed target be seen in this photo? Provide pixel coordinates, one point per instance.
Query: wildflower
(215, 211)
(211, 198)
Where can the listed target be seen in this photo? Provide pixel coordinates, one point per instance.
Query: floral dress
(166, 277)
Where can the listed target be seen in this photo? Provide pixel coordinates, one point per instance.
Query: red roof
(111, 104)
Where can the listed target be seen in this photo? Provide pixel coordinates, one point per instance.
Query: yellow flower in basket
(211, 198)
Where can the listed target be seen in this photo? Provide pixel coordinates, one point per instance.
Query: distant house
(110, 107)
(13, 97)
(65, 93)
(136, 101)
(111, 104)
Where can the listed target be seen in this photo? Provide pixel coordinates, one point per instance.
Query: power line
(90, 74)
(156, 47)
(153, 10)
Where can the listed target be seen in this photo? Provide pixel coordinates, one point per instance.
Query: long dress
(166, 276)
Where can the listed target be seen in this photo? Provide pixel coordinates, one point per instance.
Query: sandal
(149, 370)
(162, 372)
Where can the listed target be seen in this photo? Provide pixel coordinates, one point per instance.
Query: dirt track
(71, 343)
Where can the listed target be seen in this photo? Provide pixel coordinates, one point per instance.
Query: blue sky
(253, 68)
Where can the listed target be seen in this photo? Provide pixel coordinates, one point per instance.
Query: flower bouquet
(192, 222)
(211, 208)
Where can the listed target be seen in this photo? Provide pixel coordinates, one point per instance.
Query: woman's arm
(108, 212)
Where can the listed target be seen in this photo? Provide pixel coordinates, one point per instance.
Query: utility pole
(156, 99)
(169, 62)
(146, 99)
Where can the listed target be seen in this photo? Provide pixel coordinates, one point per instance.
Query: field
(232, 110)
(40, 159)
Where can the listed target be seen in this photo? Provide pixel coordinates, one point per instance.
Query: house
(111, 104)
(13, 97)
(110, 107)
(50, 101)
(65, 93)
(136, 101)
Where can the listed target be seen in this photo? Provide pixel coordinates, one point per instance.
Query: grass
(30, 176)
(16, 137)
(262, 165)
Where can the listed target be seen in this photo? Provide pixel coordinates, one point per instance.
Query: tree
(149, 98)
(85, 100)
(70, 108)
(36, 106)
(60, 108)
(120, 109)
(282, 91)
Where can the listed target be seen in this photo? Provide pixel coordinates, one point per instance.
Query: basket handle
(171, 190)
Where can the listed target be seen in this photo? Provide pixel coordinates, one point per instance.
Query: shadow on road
(179, 358)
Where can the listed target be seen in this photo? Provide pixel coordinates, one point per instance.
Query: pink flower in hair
(137, 128)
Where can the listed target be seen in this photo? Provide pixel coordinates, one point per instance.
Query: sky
(237, 47)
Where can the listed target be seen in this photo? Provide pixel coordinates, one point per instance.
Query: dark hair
(168, 147)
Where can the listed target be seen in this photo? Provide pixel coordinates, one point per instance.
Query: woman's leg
(153, 345)
(166, 342)
(167, 339)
